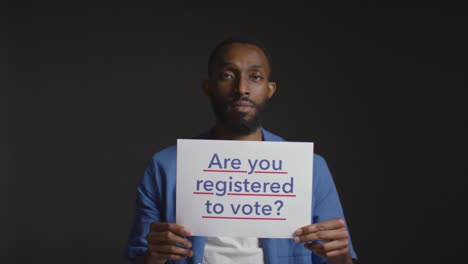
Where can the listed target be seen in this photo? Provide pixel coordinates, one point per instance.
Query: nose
(242, 86)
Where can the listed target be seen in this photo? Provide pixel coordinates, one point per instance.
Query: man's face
(239, 87)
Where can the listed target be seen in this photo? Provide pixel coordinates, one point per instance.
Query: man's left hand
(333, 238)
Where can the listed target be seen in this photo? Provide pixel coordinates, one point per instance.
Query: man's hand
(166, 242)
(333, 237)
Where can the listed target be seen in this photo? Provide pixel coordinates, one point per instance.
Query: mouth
(242, 106)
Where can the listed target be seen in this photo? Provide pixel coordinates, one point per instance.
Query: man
(238, 87)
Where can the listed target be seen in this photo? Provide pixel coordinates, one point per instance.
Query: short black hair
(237, 39)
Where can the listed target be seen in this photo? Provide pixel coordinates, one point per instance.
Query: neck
(223, 133)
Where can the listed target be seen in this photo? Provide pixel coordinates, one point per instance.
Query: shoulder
(165, 155)
(269, 136)
(168, 155)
(319, 159)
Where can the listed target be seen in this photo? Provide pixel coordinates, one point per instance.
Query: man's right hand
(166, 241)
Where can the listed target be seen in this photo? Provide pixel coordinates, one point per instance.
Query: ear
(206, 87)
(271, 89)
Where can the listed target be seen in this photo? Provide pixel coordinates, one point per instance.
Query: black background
(93, 93)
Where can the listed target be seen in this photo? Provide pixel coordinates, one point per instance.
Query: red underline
(203, 193)
(272, 172)
(242, 218)
(261, 194)
(238, 171)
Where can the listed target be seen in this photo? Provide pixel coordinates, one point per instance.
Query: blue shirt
(155, 202)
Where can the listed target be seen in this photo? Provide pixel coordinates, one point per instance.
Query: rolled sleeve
(326, 202)
(147, 211)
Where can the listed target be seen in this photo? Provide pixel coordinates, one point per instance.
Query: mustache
(244, 99)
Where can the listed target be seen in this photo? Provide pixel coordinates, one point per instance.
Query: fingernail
(187, 232)
(191, 253)
(189, 245)
(296, 239)
(298, 232)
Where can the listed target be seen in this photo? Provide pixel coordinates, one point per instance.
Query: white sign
(244, 188)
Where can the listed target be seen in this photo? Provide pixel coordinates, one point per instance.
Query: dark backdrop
(95, 92)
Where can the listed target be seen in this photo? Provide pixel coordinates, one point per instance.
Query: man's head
(238, 85)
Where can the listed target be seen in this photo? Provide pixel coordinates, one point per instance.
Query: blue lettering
(215, 161)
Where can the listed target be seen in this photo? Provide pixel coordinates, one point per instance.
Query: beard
(235, 121)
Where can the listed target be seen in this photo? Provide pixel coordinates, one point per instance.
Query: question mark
(279, 207)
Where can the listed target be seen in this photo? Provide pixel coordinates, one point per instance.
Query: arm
(328, 220)
(151, 240)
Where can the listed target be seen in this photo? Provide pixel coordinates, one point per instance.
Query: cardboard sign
(244, 188)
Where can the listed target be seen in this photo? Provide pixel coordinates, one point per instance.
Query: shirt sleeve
(326, 202)
(147, 210)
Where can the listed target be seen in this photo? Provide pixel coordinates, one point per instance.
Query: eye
(256, 77)
(226, 75)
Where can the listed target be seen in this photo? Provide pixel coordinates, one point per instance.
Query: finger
(327, 235)
(315, 250)
(175, 228)
(167, 237)
(164, 256)
(170, 249)
(323, 248)
(338, 252)
(328, 254)
(336, 223)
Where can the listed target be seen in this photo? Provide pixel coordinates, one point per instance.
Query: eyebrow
(227, 64)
